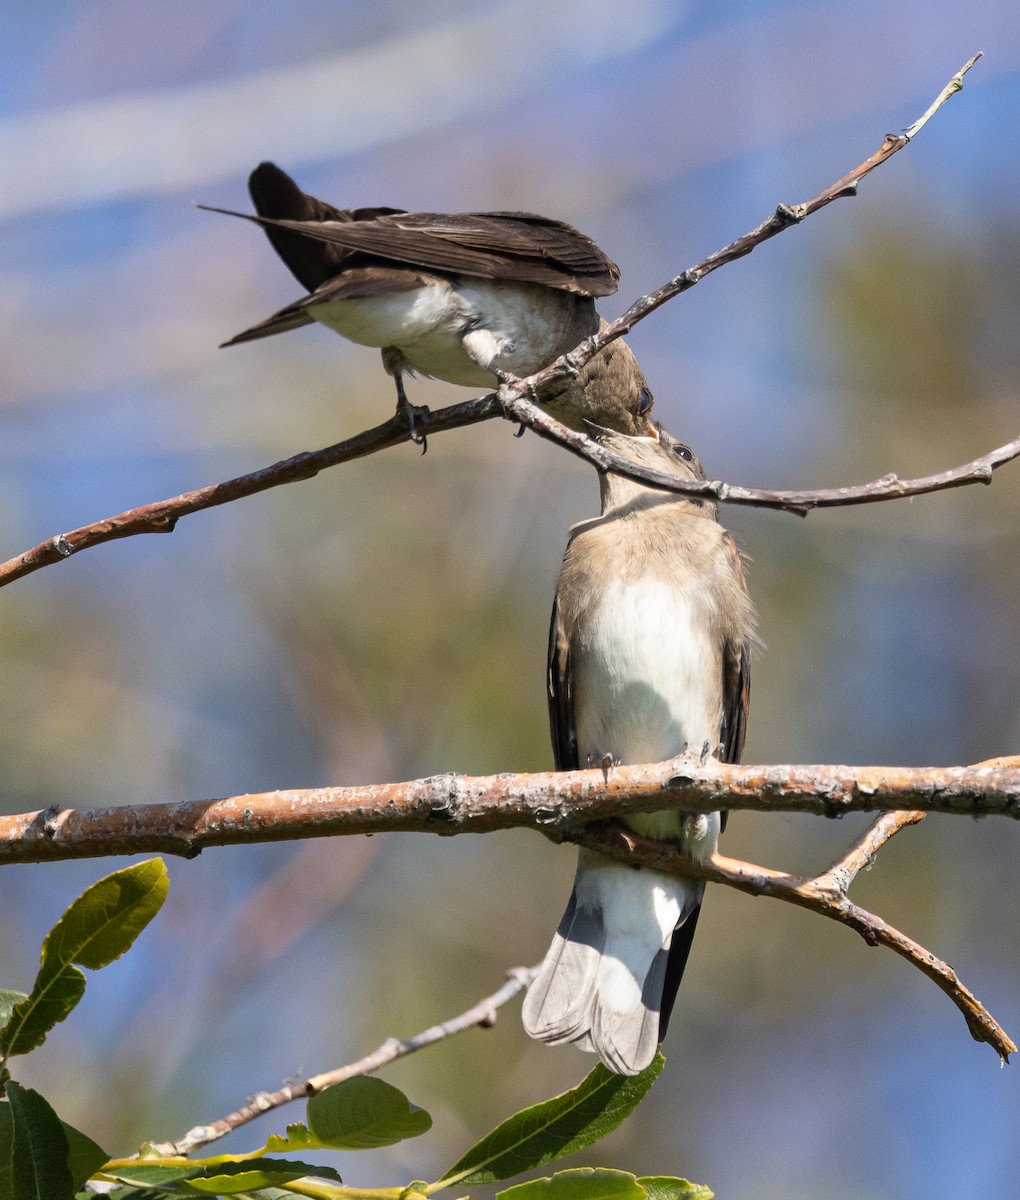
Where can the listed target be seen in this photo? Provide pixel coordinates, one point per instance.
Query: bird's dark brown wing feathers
(276, 195)
(522, 247)
(561, 707)
(736, 682)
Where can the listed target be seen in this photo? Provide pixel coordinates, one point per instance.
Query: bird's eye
(684, 452)
(646, 401)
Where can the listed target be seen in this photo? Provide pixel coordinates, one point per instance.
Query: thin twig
(825, 894)
(552, 801)
(161, 516)
(861, 854)
(800, 503)
(784, 216)
(952, 87)
(514, 401)
(481, 1015)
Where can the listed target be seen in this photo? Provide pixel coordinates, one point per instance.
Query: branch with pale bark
(553, 802)
(579, 806)
(514, 401)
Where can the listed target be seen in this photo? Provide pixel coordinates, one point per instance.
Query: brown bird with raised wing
(649, 653)
(453, 296)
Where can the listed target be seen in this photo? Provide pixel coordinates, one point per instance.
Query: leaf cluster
(43, 1158)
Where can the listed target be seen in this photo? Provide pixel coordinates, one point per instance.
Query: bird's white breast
(647, 676)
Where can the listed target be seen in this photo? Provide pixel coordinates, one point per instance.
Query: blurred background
(388, 619)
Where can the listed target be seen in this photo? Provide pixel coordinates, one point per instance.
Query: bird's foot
(605, 761)
(409, 413)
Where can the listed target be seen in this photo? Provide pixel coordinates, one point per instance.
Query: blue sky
(166, 668)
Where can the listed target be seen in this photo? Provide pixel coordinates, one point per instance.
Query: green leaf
(96, 928)
(230, 1179)
(127, 1193)
(6, 1151)
(39, 1169)
(584, 1183)
(84, 1157)
(155, 1174)
(36, 1015)
(8, 999)
(104, 921)
(220, 1178)
(299, 1137)
(364, 1113)
(667, 1187)
(238, 1177)
(556, 1127)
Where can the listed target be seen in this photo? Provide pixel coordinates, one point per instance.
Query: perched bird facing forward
(452, 295)
(649, 650)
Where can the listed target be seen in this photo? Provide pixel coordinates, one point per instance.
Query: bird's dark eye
(684, 452)
(646, 401)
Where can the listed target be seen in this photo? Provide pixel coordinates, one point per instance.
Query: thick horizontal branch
(552, 802)
(514, 401)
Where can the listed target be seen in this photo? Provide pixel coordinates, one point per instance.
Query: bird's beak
(602, 433)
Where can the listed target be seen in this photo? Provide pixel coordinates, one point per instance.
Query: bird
(649, 654)
(460, 297)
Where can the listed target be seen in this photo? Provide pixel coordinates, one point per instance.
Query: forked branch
(514, 401)
(825, 894)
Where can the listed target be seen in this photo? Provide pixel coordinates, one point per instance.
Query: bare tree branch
(553, 802)
(825, 894)
(161, 516)
(800, 503)
(481, 1016)
(564, 806)
(514, 401)
(784, 216)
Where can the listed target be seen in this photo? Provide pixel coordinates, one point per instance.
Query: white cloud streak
(167, 140)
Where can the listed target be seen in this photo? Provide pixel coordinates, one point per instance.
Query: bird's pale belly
(457, 330)
(391, 319)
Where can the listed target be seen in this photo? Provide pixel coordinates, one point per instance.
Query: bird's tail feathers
(579, 997)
